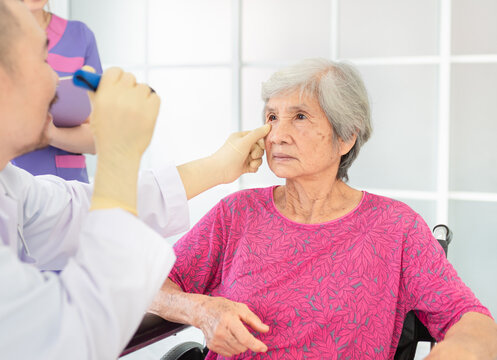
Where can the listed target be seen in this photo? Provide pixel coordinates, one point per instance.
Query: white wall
(59, 7)
(430, 67)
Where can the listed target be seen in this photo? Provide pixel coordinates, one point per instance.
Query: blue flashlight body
(89, 80)
(86, 79)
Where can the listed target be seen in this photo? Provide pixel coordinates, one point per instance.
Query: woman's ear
(346, 146)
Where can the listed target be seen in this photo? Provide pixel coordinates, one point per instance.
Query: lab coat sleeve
(162, 201)
(91, 309)
(55, 209)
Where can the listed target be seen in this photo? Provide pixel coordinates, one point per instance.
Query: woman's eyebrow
(299, 107)
(291, 108)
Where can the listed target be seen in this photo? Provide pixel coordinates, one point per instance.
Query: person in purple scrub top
(71, 46)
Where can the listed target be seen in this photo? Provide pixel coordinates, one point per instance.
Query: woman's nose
(280, 132)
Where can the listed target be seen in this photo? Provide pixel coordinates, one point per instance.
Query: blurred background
(430, 67)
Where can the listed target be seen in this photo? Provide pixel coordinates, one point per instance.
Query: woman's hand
(223, 324)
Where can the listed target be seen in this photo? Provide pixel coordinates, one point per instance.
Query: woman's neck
(42, 17)
(315, 201)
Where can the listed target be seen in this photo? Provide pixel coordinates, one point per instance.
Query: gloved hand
(241, 153)
(122, 121)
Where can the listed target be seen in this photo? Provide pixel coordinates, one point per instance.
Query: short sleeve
(431, 285)
(92, 57)
(200, 252)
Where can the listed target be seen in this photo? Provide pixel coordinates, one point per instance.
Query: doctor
(113, 261)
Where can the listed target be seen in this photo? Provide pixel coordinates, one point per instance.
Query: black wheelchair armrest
(152, 329)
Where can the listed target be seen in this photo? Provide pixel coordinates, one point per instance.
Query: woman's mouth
(281, 157)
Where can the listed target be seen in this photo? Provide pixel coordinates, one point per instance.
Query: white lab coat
(112, 264)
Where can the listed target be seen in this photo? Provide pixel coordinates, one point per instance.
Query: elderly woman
(314, 268)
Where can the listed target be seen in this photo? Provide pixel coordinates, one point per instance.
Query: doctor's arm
(163, 193)
(241, 153)
(56, 208)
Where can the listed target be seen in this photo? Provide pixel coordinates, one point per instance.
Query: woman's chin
(282, 172)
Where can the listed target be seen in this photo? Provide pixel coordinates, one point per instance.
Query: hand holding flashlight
(122, 121)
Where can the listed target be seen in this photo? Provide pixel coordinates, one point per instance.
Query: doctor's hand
(223, 323)
(241, 153)
(122, 121)
(124, 115)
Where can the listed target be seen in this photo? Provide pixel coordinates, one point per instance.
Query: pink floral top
(336, 290)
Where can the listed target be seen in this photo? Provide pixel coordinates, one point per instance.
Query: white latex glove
(122, 121)
(241, 153)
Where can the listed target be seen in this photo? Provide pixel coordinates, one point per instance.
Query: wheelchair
(153, 328)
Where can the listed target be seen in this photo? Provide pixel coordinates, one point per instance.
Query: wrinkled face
(32, 83)
(35, 5)
(300, 144)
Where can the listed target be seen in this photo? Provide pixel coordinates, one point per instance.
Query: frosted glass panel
(285, 30)
(473, 128)
(195, 117)
(402, 152)
(388, 28)
(474, 26)
(252, 105)
(189, 31)
(59, 7)
(474, 248)
(119, 28)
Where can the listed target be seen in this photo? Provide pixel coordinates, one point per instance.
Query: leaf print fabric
(337, 290)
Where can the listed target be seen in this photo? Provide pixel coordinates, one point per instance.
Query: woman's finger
(245, 338)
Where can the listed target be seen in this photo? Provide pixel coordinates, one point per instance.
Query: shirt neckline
(317, 225)
(55, 29)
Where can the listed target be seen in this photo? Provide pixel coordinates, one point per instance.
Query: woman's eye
(301, 116)
(271, 118)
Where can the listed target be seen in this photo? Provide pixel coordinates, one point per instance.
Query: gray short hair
(9, 28)
(341, 93)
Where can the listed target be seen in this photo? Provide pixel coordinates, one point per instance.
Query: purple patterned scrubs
(71, 45)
